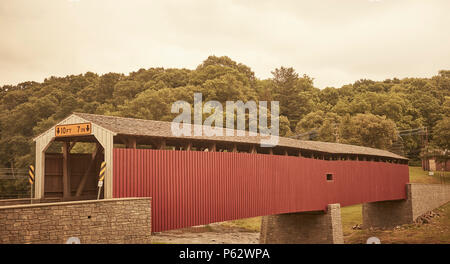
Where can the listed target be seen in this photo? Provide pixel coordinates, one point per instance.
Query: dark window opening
(329, 177)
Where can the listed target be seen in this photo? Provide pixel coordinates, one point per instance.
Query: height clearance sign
(73, 130)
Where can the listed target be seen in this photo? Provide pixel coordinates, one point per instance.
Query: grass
(350, 216)
(417, 175)
(252, 224)
(435, 232)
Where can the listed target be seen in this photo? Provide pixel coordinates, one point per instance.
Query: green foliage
(369, 130)
(295, 94)
(365, 113)
(442, 133)
(14, 188)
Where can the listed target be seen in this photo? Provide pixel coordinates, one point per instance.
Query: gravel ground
(207, 235)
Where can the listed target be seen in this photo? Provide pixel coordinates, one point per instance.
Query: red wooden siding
(193, 188)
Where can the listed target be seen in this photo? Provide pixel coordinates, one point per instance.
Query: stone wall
(125, 220)
(303, 228)
(426, 197)
(421, 198)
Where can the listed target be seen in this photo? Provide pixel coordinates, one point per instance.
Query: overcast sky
(335, 42)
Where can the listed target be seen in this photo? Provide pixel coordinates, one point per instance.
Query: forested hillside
(367, 113)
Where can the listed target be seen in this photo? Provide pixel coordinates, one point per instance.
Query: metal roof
(152, 128)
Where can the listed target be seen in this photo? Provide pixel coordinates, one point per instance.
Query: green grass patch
(435, 232)
(252, 224)
(350, 216)
(417, 175)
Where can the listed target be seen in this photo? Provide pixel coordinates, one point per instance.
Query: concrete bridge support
(303, 228)
(421, 198)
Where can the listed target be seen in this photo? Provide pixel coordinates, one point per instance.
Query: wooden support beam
(85, 177)
(234, 148)
(124, 140)
(66, 176)
(271, 151)
(212, 147)
(162, 144)
(299, 153)
(253, 149)
(131, 143)
(72, 144)
(188, 146)
(286, 152)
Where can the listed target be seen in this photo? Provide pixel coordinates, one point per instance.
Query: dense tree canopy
(368, 113)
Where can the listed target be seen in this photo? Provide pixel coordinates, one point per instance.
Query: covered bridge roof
(162, 129)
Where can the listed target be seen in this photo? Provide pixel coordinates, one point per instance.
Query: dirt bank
(207, 235)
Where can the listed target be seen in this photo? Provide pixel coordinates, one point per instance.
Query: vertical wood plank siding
(191, 188)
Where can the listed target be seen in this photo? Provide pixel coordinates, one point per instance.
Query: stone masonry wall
(303, 228)
(421, 198)
(108, 221)
(426, 197)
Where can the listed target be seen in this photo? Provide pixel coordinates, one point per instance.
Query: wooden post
(189, 146)
(299, 153)
(271, 151)
(132, 143)
(253, 149)
(86, 173)
(72, 144)
(66, 176)
(162, 144)
(129, 142)
(212, 147)
(234, 148)
(286, 152)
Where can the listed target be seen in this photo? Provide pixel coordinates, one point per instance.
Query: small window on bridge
(329, 177)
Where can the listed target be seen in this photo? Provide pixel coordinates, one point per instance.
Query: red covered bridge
(200, 180)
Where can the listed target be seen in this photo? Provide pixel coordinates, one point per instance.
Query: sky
(336, 42)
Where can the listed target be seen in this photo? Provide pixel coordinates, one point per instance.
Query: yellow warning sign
(31, 174)
(73, 130)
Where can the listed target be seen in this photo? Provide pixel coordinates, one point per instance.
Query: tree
(368, 130)
(441, 133)
(295, 94)
(365, 113)
(125, 90)
(323, 124)
(106, 85)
